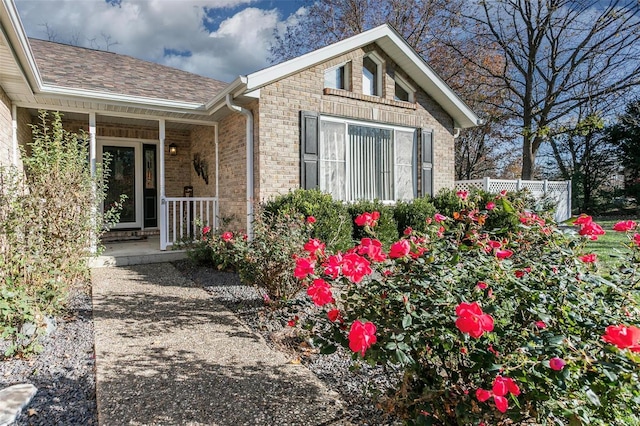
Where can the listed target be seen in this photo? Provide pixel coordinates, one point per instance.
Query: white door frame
(138, 184)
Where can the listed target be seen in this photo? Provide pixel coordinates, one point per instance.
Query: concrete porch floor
(135, 252)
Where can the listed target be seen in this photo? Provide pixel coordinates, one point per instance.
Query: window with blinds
(364, 162)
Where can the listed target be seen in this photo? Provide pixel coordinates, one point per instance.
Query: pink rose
(557, 364)
(399, 249)
(227, 236)
(490, 205)
(624, 226)
(320, 292)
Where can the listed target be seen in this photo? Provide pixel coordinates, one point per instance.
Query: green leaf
(593, 398)
(406, 321)
(328, 349)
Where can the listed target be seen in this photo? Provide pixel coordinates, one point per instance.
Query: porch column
(163, 216)
(92, 165)
(14, 135)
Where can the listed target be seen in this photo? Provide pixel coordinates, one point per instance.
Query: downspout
(249, 140)
(456, 132)
(217, 208)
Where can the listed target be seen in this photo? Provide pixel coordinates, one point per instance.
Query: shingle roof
(82, 68)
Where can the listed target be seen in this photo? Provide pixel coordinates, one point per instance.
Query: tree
(625, 134)
(583, 153)
(553, 50)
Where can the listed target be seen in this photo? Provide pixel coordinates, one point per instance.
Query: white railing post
(486, 183)
(163, 205)
(518, 184)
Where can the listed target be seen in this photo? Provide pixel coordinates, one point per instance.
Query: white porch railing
(183, 218)
(560, 191)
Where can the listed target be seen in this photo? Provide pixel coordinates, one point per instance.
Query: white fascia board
(19, 43)
(236, 86)
(261, 78)
(96, 96)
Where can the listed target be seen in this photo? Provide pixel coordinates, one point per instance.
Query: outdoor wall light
(173, 149)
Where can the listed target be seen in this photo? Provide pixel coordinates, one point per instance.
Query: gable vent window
(403, 92)
(338, 77)
(372, 75)
(363, 161)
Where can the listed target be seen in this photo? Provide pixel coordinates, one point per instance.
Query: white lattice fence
(560, 191)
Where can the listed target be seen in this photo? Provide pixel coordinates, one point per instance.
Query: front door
(150, 190)
(122, 181)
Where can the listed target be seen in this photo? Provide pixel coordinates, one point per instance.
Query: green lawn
(609, 247)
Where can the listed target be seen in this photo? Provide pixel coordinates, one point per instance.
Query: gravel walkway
(167, 353)
(63, 372)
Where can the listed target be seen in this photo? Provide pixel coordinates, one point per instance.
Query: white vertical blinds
(359, 162)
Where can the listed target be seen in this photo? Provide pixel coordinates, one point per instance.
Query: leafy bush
(48, 216)
(333, 224)
(413, 214)
(386, 228)
(488, 330)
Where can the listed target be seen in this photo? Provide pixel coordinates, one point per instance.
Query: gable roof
(397, 49)
(95, 70)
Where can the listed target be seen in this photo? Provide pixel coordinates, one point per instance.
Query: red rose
(311, 219)
(583, 219)
(483, 395)
(462, 194)
(362, 336)
(624, 226)
(304, 267)
(503, 254)
(227, 236)
(332, 265)
(624, 337)
(636, 239)
(367, 219)
(592, 230)
(355, 267)
(399, 249)
(490, 205)
(541, 324)
(481, 285)
(334, 315)
(372, 248)
(206, 230)
(589, 258)
(472, 320)
(320, 292)
(314, 247)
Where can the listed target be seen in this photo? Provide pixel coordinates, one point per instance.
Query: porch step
(131, 235)
(106, 261)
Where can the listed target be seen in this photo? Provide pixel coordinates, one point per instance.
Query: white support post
(92, 166)
(163, 214)
(518, 184)
(14, 134)
(486, 183)
(545, 187)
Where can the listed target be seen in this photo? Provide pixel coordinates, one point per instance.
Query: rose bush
(489, 325)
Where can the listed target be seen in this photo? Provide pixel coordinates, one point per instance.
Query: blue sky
(217, 38)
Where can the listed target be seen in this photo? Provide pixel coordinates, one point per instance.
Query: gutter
(249, 143)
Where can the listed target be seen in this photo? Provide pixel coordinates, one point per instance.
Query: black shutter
(309, 149)
(427, 162)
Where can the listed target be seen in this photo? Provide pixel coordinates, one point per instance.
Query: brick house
(362, 118)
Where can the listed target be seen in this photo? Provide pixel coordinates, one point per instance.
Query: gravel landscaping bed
(356, 384)
(63, 372)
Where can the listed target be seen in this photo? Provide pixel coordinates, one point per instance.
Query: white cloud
(144, 29)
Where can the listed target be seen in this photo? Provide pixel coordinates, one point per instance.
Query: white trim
(347, 83)
(137, 153)
(406, 86)
(379, 86)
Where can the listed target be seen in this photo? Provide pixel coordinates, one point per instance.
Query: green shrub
(48, 217)
(386, 230)
(460, 312)
(413, 214)
(333, 223)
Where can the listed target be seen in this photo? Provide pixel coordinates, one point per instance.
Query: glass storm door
(122, 181)
(150, 191)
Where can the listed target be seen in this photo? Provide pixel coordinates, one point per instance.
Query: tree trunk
(528, 158)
